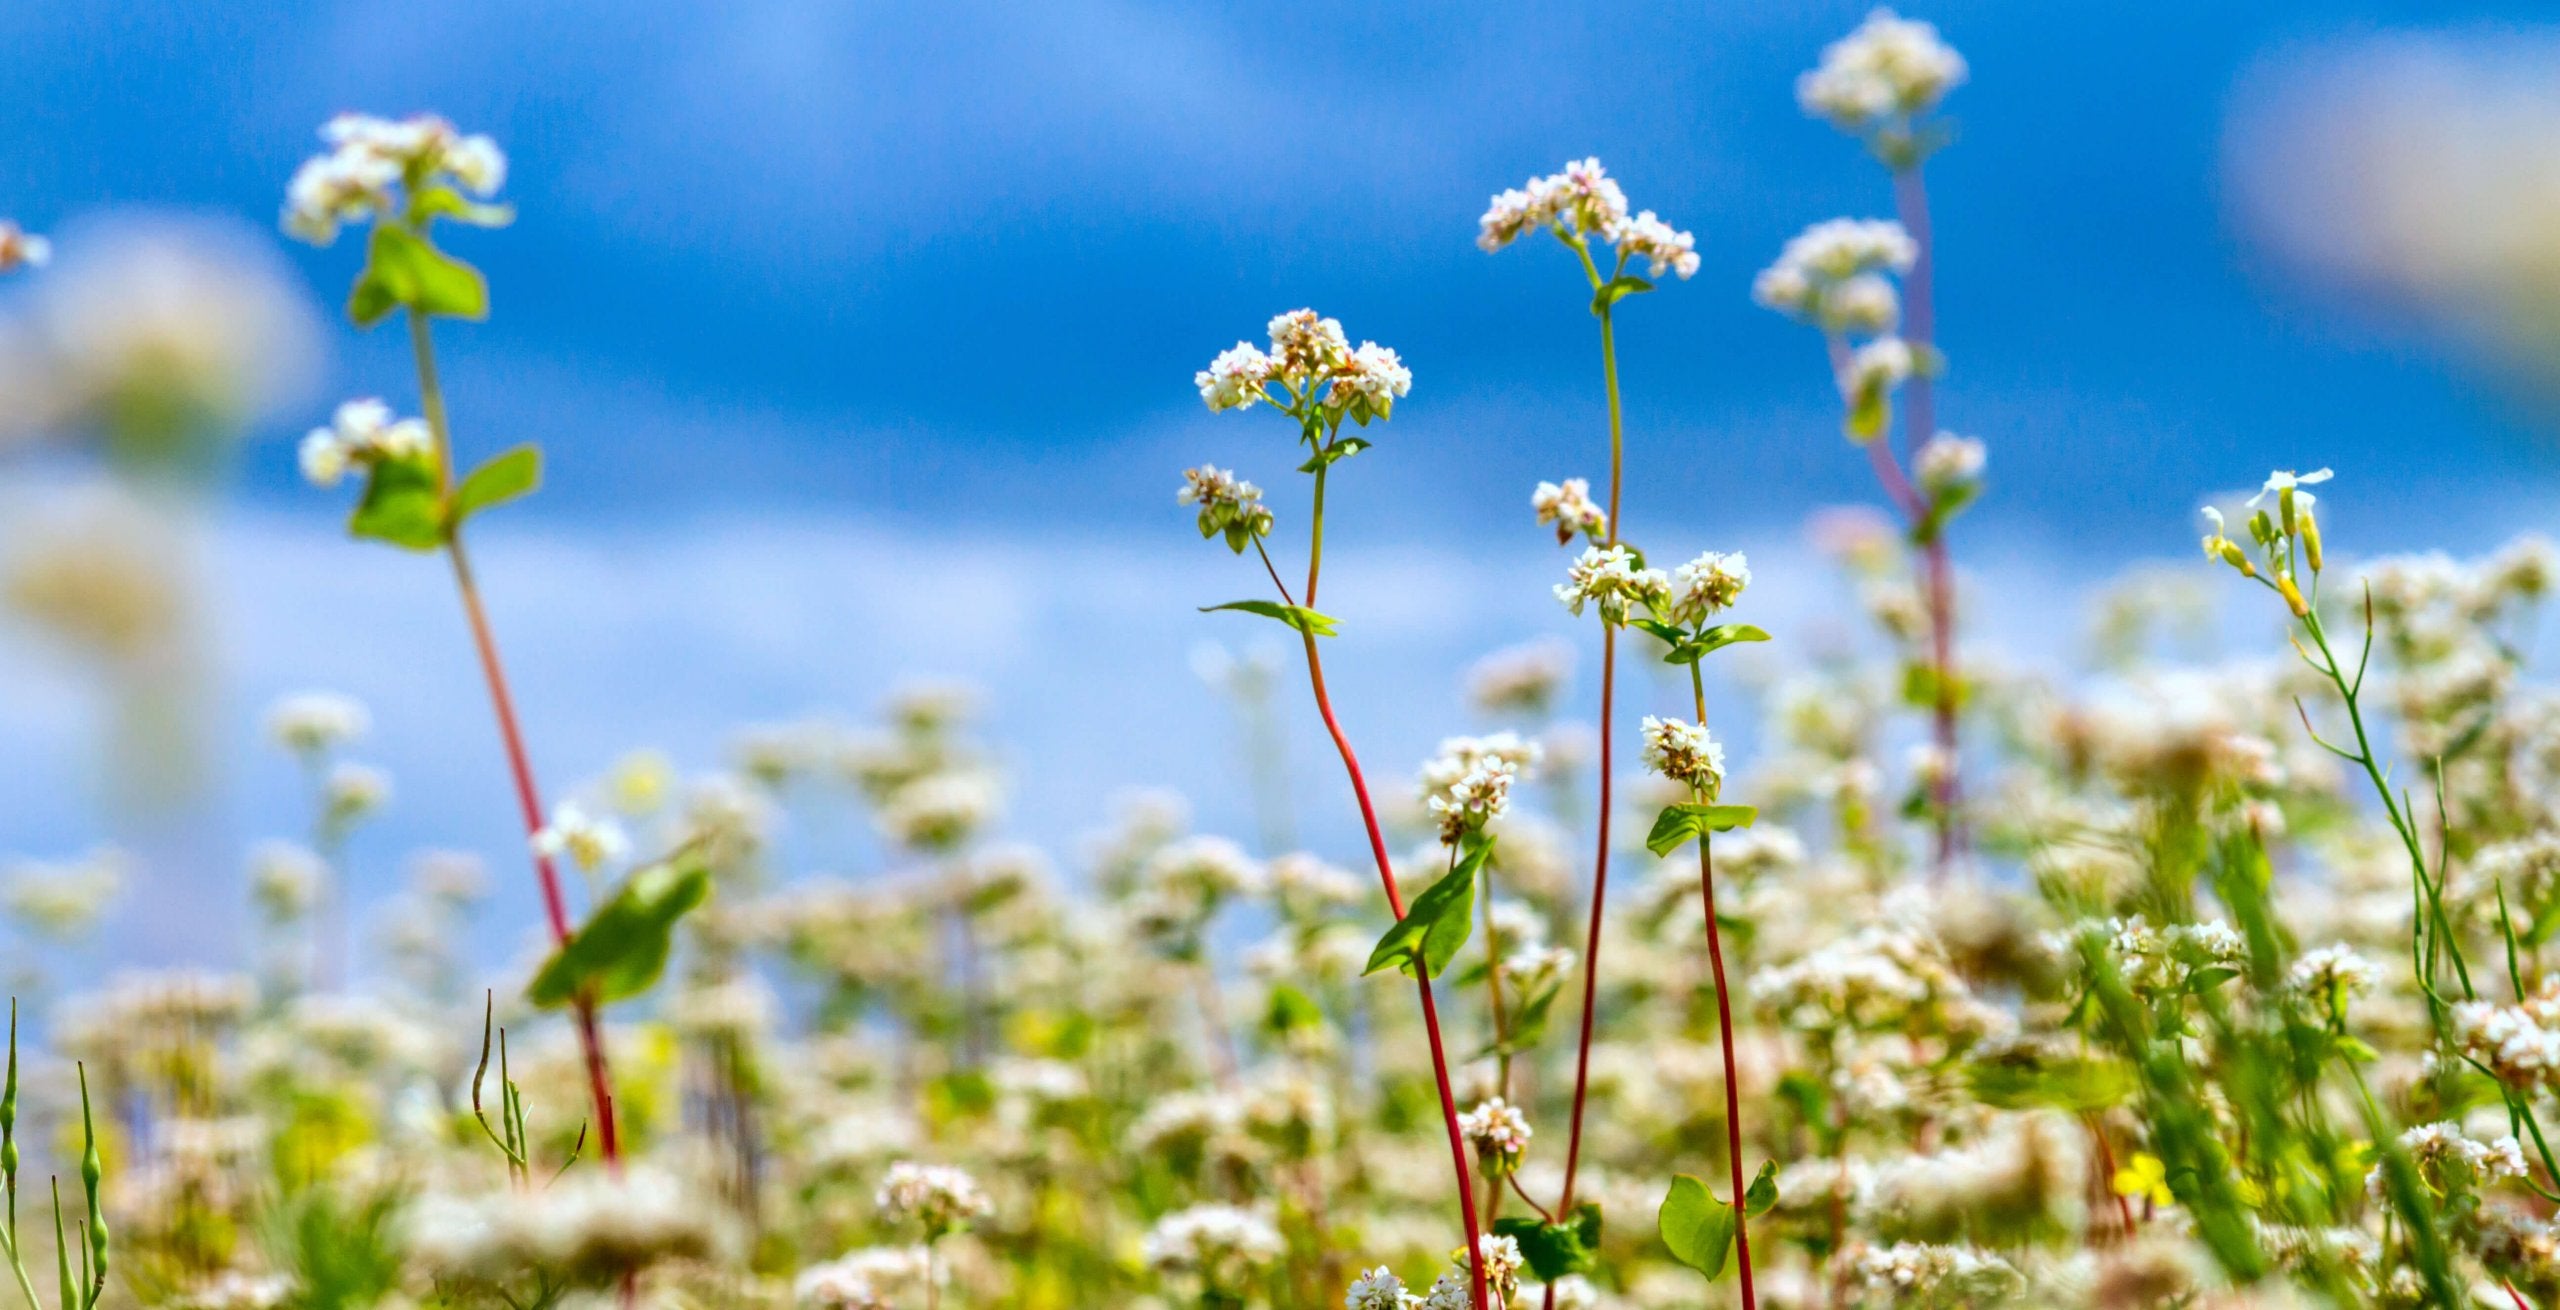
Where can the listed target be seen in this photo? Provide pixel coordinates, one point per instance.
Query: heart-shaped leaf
(1438, 922)
(1678, 823)
(622, 948)
(511, 474)
(1696, 1226)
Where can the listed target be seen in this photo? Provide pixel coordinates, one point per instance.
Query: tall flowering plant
(1315, 377)
(1882, 84)
(1583, 207)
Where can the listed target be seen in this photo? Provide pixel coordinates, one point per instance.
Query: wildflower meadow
(1788, 970)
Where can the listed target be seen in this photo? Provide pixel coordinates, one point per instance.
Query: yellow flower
(2146, 1177)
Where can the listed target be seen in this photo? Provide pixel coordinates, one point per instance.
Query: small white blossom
(938, 1197)
(1569, 509)
(313, 722)
(1685, 753)
(592, 843)
(1609, 577)
(1498, 1130)
(1706, 586)
(1890, 69)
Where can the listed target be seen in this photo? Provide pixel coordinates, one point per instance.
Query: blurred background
(860, 337)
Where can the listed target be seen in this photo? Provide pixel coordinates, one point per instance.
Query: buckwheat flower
(1474, 800)
(2519, 1043)
(2453, 1164)
(20, 248)
(1499, 1132)
(1947, 464)
(314, 722)
(1609, 577)
(2331, 972)
(1378, 1289)
(1569, 509)
(872, 1278)
(1865, 305)
(940, 1198)
(1235, 378)
(1685, 753)
(1306, 346)
(285, 879)
(1835, 250)
(1509, 214)
(1223, 1246)
(1228, 504)
(1890, 68)
(65, 900)
(1372, 377)
(939, 811)
(361, 434)
(1648, 238)
(1877, 366)
(1707, 585)
(352, 791)
(1502, 1266)
(1524, 679)
(369, 157)
(1449, 1291)
(1459, 756)
(1939, 1275)
(590, 842)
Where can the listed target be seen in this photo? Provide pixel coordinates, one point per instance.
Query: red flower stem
(528, 796)
(1395, 902)
(1724, 1027)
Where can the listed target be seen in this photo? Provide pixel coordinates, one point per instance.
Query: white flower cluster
(1930, 1274)
(316, 722)
(2452, 1163)
(590, 841)
(872, 1278)
(20, 248)
(940, 1198)
(1523, 679)
(1948, 465)
(1610, 578)
(940, 810)
(1580, 201)
(368, 157)
(1706, 586)
(2520, 1043)
(1832, 275)
(591, 1228)
(1311, 360)
(1685, 753)
(1467, 784)
(1228, 504)
(1221, 1245)
(2161, 961)
(1569, 509)
(1888, 71)
(361, 434)
(2330, 974)
(1498, 1130)
(1378, 1289)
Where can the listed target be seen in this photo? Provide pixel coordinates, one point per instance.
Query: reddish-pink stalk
(1919, 423)
(1732, 1084)
(1430, 1009)
(1395, 901)
(528, 795)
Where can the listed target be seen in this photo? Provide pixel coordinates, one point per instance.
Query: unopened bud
(2311, 538)
(2293, 596)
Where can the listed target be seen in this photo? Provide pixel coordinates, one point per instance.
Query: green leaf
(1678, 823)
(1438, 922)
(1341, 449)
(1763, 1192)
(1291, 1011)
(403, 268)
(2205, 980)
(1555, 1250)
(1616, 289)
(2078, 1083)
(622, 948)
(445, 202)
(402, 505)
(511, 474)
(1671, 633)
(1689, 650)
(1297, 616)
(1696, 1226)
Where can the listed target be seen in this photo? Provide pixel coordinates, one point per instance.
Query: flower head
(313, 722)
(1706, 586)
(1879, 77)
(1611, 578)
(1685, 753)
(369, 159)
(361, 434)
(1498, 1131)
(1583, 201)
(590, 842)
(1228, 504)
(1833, 275)
(1948, 465)
(1568, 507)
(2283, 482)
(1313, 363)
(940, 1198)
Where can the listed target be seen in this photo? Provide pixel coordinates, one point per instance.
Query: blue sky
(860, 335)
